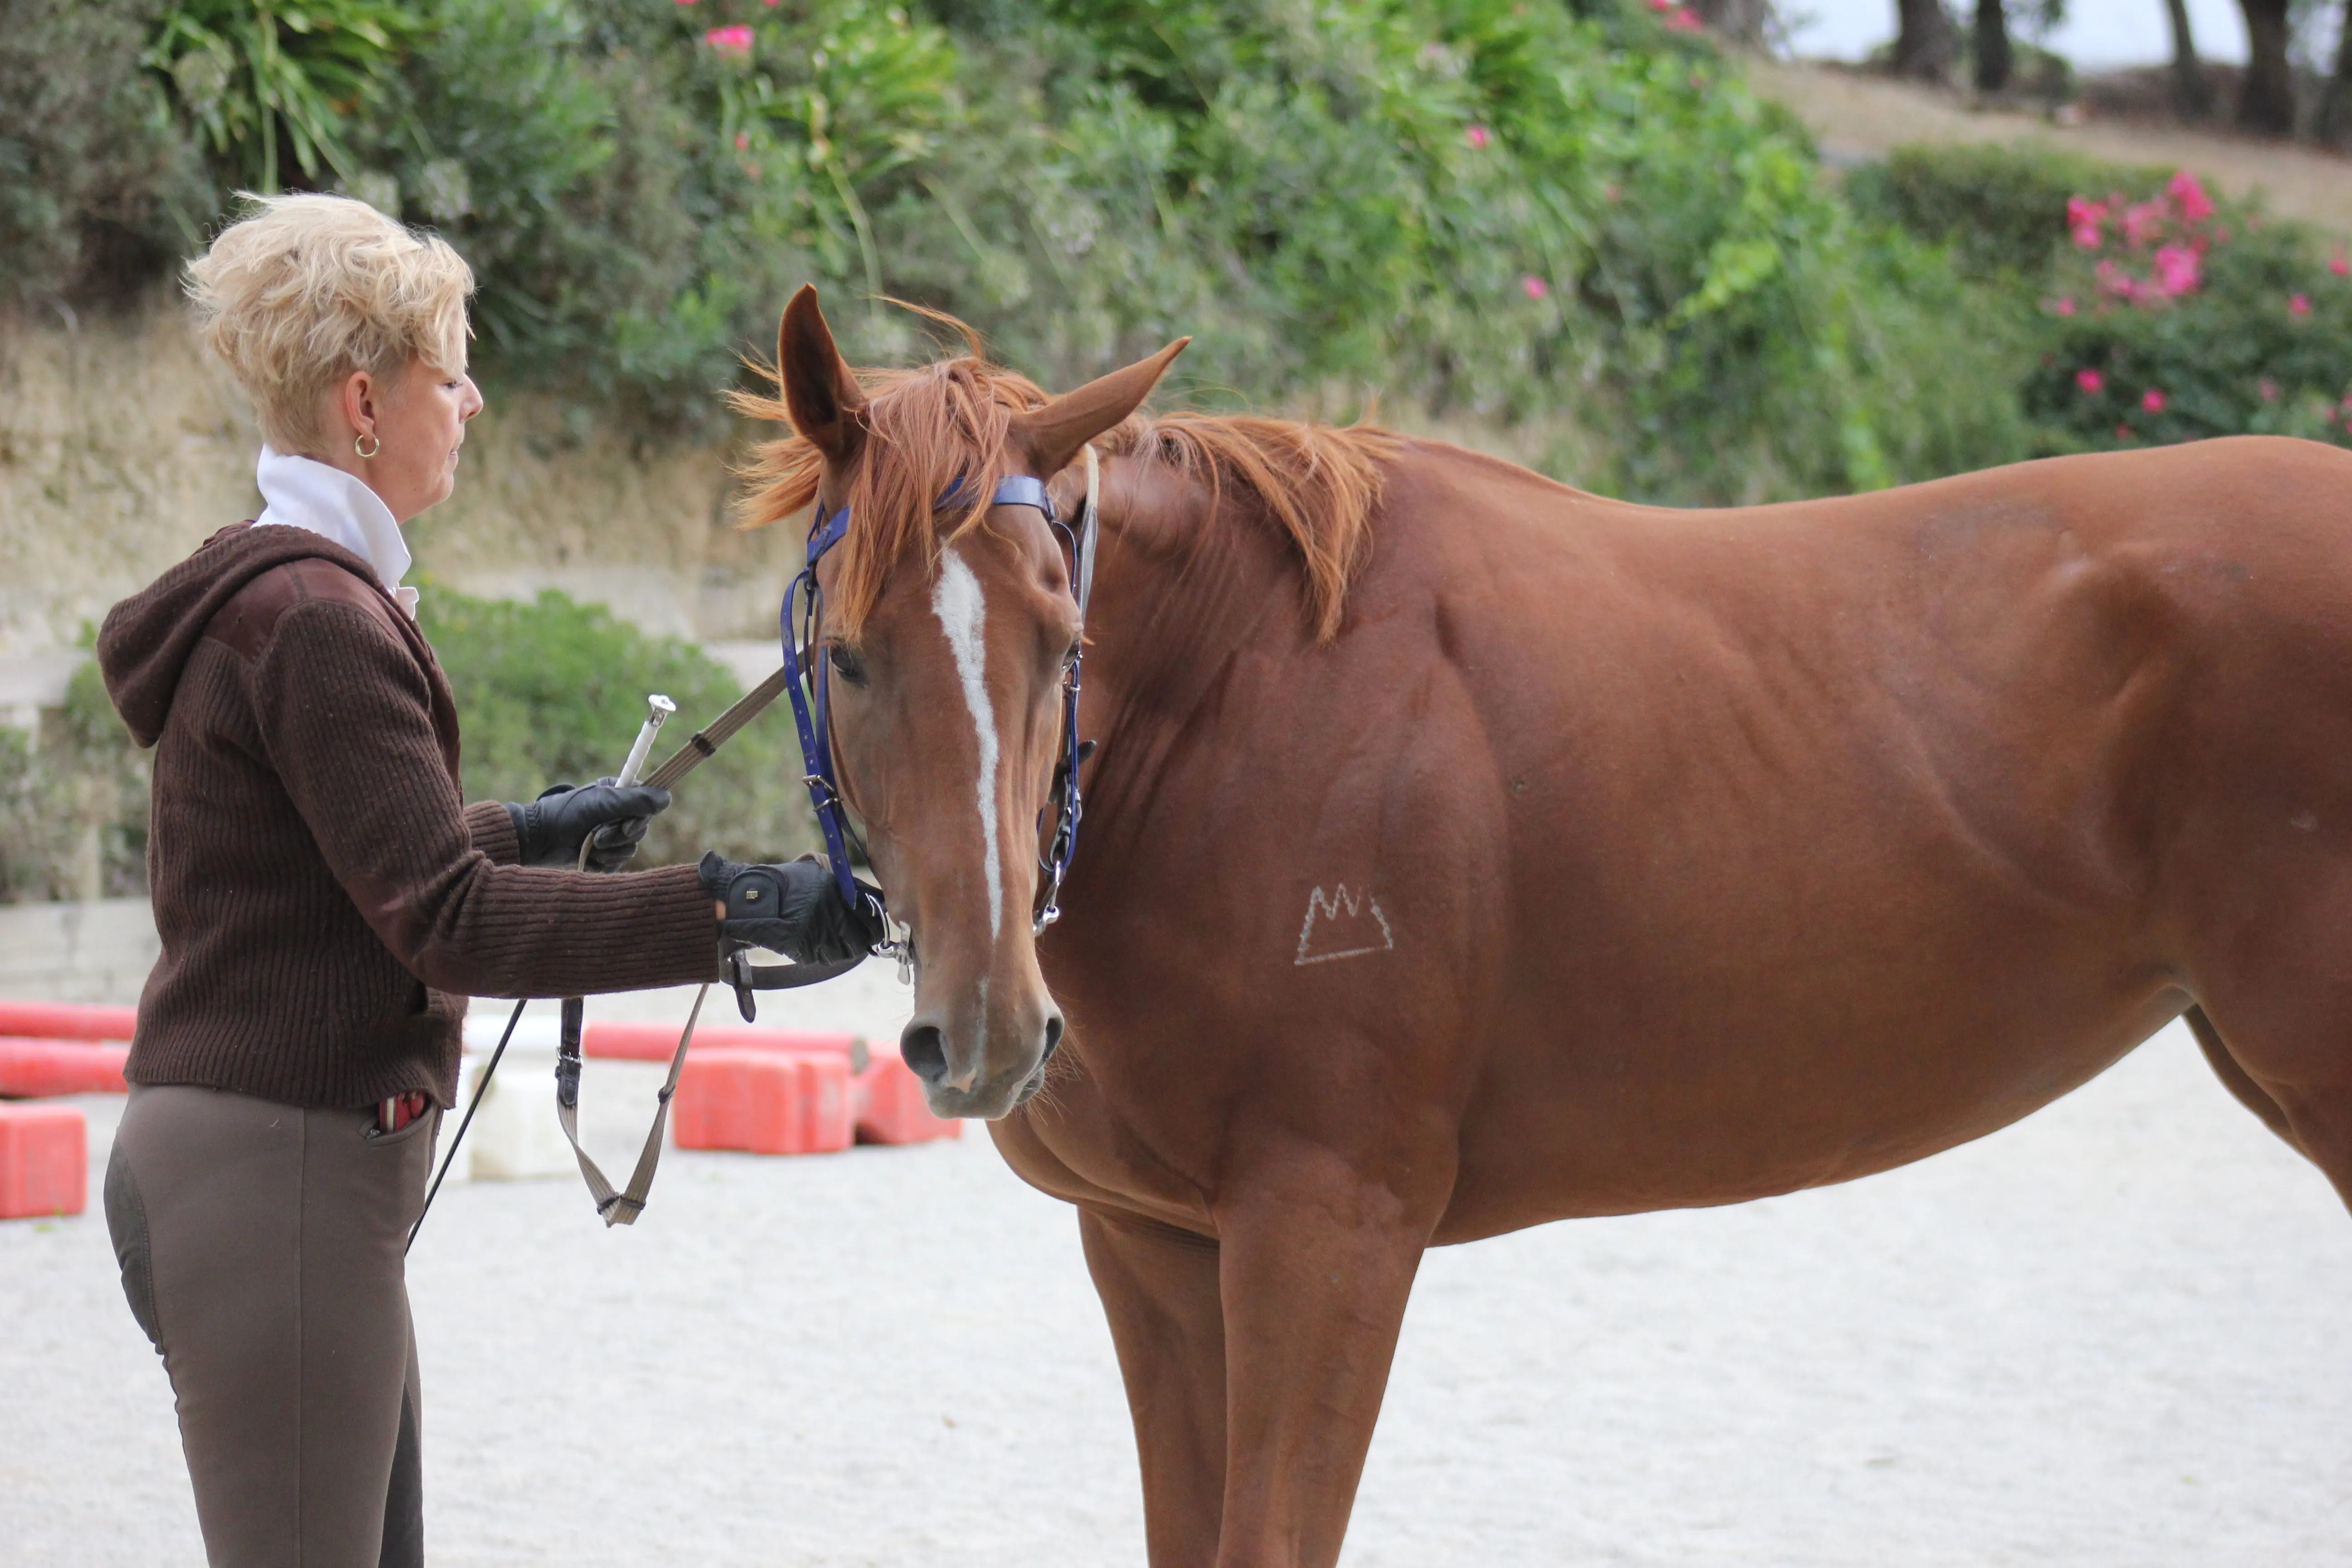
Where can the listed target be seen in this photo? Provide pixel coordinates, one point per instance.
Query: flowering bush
(2140, 308)
(2170, 316)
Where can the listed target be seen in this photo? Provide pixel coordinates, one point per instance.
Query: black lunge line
(473, 1105)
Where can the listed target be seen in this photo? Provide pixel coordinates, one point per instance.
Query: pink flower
(2091, 381)
(686, 2)
(1478, 136)
(2083, 213)
(2195, 204)
(2298, 304)
(2152, 400)
(742, 140)
(2123, 432)
(734, 41)
(2176, 270)
(2268, 389)
(2087, 236)
(2144, 221)
(1682, 19)
(1536, 286)
(2338, 265)
(2065, 306)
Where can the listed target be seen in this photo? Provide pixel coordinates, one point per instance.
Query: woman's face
(412, 423)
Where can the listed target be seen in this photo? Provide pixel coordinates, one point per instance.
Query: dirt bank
(1855, 115)
(122, 445)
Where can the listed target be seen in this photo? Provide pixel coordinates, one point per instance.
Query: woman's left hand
(609, 817)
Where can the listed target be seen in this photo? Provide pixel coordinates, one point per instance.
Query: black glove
(794, 909)
(611, 817)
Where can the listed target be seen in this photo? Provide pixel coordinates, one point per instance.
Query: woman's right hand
(795, 908)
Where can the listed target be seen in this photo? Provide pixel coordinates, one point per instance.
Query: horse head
(948, 623)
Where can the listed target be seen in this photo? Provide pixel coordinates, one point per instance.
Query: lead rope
(699, 748)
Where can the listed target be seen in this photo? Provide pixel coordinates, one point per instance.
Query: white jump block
(515, 1136)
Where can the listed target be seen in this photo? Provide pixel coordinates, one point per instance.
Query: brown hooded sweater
(326, 900)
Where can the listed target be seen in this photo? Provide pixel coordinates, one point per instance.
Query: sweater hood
(147, 638)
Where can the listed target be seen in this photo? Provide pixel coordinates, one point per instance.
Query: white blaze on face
(962, 611)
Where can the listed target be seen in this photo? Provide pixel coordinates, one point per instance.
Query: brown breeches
(261, 1249)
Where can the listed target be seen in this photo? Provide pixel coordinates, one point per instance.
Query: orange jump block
(618, 1041)
(36, 1070)
(888, 1105)
(44, 1161)
(66, 1021)
(763, 1101)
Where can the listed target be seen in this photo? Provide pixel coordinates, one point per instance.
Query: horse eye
(847, 664)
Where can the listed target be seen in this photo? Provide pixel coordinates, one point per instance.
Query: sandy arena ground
(2115, 1334)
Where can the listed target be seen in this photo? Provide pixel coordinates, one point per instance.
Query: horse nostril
(924, 1049)
(1053, 1037)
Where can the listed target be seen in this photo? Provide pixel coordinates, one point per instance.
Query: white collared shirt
(302, 492)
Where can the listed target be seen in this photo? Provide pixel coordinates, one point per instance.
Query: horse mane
(934, 425)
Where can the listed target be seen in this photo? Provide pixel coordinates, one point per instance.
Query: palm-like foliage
(260, 78)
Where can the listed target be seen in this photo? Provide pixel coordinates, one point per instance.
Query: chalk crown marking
(1343, 925)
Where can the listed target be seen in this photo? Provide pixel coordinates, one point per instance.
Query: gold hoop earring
(359, 445)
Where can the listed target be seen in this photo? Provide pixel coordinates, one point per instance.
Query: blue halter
(808, 685)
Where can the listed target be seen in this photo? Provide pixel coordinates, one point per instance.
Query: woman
(326, 901)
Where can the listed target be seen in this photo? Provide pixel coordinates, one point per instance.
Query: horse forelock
(935, 426)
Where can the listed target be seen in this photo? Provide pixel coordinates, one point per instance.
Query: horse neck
(1184, 587)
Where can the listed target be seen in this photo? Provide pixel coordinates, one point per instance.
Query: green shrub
(1478, 207)
(272, 84)
(553, 691)
(2147, 311)
(73, 803)
(2171, 319)
(97, 188)
(2001, 209)
(550, 691)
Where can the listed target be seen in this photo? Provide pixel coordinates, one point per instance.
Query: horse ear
(820, 392)
(1052, 435)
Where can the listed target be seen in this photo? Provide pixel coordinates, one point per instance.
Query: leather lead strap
(618, 1206)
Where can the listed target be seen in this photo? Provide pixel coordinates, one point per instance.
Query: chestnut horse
(1464, 851)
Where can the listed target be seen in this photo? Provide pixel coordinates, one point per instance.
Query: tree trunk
(2335, 112)
(1923, 48)
(2267, 105)
(2192, 94)
(1992, 46)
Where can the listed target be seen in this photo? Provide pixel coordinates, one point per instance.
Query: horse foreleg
(1159, 1288)
(1316, 1264)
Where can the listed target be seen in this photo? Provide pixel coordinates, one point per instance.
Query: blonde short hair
(311, 287)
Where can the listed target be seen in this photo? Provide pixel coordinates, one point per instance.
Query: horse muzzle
(986, 1070)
